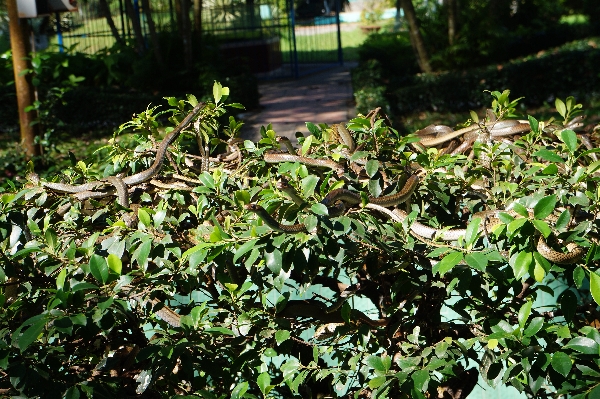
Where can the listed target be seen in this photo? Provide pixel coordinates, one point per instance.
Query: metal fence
(267, 35)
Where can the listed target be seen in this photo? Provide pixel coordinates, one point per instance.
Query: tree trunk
(153, 34)
(183, 22)
(415, 35)
(198, 19)
(105, 9)
(137, 27)
(20, 45)
(452, 20)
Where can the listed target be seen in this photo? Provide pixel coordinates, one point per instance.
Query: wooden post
(19, 43)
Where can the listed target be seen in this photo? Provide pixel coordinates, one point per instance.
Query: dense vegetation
(352, 304)
(540, 50)
(99, 91)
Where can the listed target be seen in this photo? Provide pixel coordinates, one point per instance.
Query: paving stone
(322, 97)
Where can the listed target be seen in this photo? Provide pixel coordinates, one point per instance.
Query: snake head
(253, 207)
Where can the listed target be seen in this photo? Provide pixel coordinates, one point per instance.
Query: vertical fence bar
(339, 32)
(294, 57)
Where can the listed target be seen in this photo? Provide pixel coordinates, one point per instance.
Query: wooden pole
(19, 43)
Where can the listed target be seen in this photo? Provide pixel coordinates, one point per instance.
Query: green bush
(183, 287)
(125, 80)
(566, 71)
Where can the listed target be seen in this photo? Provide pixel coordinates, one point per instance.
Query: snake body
(488, 220)
(272, 157)
(438, 134)
(334, 202)
(139, 177)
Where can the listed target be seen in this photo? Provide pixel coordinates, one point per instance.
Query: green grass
(323, 47)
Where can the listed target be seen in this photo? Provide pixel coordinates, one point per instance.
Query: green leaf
(561, 362)
(99, 268)
(563, 220)
(570, 139)
(374, 187)
(377, 382)
(243, 249)
(534, 327)
(448, 262)
(542, 227)
(549, 156)
(270, 352)
(217, 92)
(306, 145)
(72, 393)
(144, 217)
(372, 167)
(550, 170)
(264, 383)
(584, 345)
(477, 261)
(524, 313)
(544, 207)
(60, 279)
(51, 238)
(281, 336)
(273, 261)
(520, 209)
(560, 107)
(521, 264)
(239, 390)
(319, 209)
(474, 116)
(31, 334)
(421, 379)
(313, 129)
(142, 252)
(376, 363)
(595, 393)
(595, 286)
(308, 185)
(535, 125)
(114, 263)
(219, 331)
(472, 231)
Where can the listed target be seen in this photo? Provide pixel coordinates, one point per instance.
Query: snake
(331, 202)
(287, 144)
(496, 129)
(276, 157)
(488, 220)
(165, 313)
(139, 177)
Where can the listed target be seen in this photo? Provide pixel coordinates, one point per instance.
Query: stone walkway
(322, 97)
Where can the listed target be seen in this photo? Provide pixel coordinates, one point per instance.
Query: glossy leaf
(99, 268)
(521, 264)
(561, 362)
(524, 313)
(570, 139)
(239, 390)
(372, 167)
(31, 334)
(584, 345)
(595, 286)
(544, 207)
(448, 262)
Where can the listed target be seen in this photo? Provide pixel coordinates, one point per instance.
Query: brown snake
(488, 220)
(329, 201)
(139, 177)
(496, 129)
